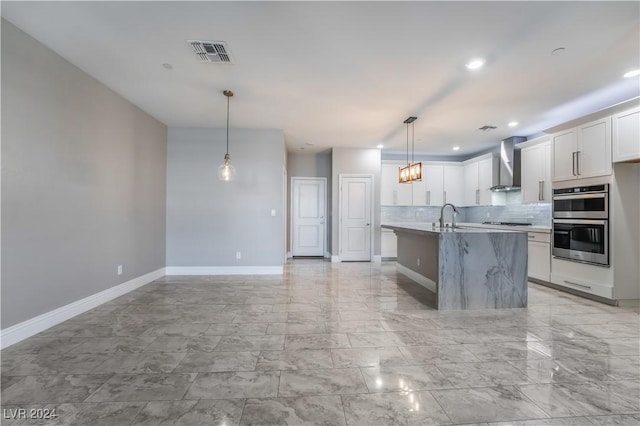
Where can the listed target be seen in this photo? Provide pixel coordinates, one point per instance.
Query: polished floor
(331, 344)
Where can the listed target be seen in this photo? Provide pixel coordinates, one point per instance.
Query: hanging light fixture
(226, 171)
(412, 172)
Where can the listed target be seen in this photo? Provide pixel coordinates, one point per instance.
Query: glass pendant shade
(226, 172)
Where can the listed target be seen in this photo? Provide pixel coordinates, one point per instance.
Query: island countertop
(428, 228)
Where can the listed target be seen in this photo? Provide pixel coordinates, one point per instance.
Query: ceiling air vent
(215, 52)
(487, 128)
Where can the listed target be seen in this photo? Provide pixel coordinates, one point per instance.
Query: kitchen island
(467, 268)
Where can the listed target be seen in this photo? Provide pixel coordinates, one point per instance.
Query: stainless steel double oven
(581, 224)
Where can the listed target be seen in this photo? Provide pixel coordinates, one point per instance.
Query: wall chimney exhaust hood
(509, 170)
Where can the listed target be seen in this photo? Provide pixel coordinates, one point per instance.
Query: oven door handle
(580, 221)
(578, 197)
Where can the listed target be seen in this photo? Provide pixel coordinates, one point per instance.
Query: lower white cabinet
(596, 280)
(539, 256)
(389, 244)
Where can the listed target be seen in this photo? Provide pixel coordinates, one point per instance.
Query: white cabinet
(536, 172)
(583, 151)
(478, 179)
(393, 193)
(626, 136)
(429, 192)
(539, 263)
(453, 185)
(389, 244)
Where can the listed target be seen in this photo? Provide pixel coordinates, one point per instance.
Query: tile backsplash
(536, 214)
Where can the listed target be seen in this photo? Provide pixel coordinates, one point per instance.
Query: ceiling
(348, 73)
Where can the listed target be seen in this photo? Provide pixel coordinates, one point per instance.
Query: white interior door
(308, 216)
(355, 218)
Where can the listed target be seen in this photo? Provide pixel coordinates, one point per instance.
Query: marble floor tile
(304, 359)
(316, 341)
(142, 387)
(94, 345)
(312, 410)
(141, 363)
(441, 353)
(472, 405)
(296, 307)
(623, 420)
(43, 345)
(54, 364)
(354, 326)
(183, 344)
(297, 328)
(251, 343)
(245, 329)
(404, 378)
(367, 357)
(482, 374)
(374, 340)
(96, 413)
(191, 412)
(397, 408)
(214, 362)
(236, 384)
(569, 421)
(52, 389)
(506, 351)
(260, 317)
(585, 398)
(547, 371)
(334, 381)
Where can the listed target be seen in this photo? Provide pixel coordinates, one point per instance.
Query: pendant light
(412, 172)
(226, 171)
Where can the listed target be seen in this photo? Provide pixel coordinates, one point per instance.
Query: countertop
(427, 228)
(545, 229)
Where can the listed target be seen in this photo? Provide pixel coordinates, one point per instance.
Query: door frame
(371, 177)
(291, 212)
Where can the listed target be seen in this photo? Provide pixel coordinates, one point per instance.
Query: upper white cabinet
(453, 185)
(429, 192)
(583, 151)
(478, 179)
(393, 193)
(536, 171)
(626, 135)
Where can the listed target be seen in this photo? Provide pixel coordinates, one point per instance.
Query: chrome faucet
(453, 220)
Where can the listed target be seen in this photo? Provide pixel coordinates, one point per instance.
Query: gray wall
(83, 183)
(365, 161)
(209, 220)
(309, 165)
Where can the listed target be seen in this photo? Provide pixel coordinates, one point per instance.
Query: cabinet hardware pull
(540, 190)
(444, 196)
(578, 162)
(428, 198)
(573, 162)
(579, 285)
(532, 236)
(477, 196)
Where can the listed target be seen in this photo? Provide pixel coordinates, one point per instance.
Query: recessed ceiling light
(474, 64)
(559, 51)
(380, 146)
(513, 124)
(632, 73)
(309, 143)
(456, 148)
(167, 66)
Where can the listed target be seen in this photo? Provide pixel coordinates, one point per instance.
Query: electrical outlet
(418, 261)
(119, 269)
(238, 255)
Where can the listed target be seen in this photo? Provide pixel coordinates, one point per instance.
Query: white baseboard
(420, 279)
(376, 258)
(327, 255)
(33, 326)
(224, 270)
(335, 259)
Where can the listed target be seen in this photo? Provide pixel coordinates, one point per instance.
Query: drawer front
(541, 237)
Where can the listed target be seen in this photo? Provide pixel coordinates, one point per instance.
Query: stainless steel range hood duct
(509, 170)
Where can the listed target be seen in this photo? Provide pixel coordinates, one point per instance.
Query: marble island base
(466, 269)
